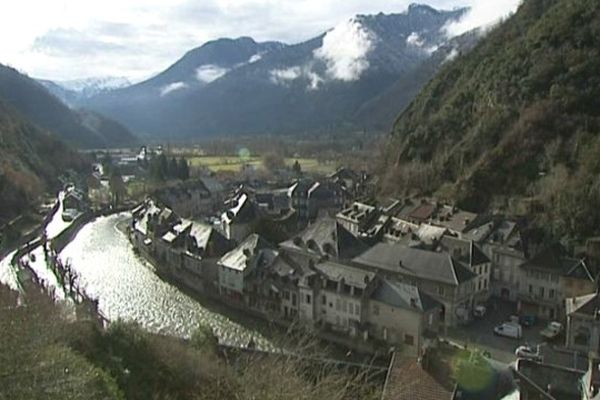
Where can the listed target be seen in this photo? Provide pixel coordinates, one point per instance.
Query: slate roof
(243, 210)
(208, 238)
(141, 224)
(247, 253)
(352, 276)
(327, 237)
(403, 295)
(471, 254)
(424, 264)
(409, 381)
(578, 269)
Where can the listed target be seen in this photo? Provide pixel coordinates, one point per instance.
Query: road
(479, 334)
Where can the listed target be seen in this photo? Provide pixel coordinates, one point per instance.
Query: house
(545, 381)
(273, 289)
(235, 266)
(348, 179)
(342, 296)
(204, 246)
(73, 203)
(437, 274)
(471, 256)
(357, 217)
(314, 199)
(402, 315)
(503, 243)
(325, 238)
(455, 220)
(239, 220)
(400, 231)
(583, 323)
(190, 199)
(547, 277)
(274, 203)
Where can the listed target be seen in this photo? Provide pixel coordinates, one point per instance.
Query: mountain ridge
(35, 103)
(315, 85)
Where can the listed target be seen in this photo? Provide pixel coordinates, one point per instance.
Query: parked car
(528, 353)
(479, 311)
(509, 329)
(552, 331)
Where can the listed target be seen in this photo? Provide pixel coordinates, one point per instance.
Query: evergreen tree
(297, 168)
(172, 169)
(183, 170)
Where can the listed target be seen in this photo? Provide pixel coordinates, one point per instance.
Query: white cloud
(314, 80)
(208, 73)
(345, 49)
(283, 76)
(287, 75)
(482, 15)
(171, 87)
(451, 56)
(415, 40)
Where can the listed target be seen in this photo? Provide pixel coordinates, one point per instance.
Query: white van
(509, 329)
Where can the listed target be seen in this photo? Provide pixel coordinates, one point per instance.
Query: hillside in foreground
(518, 118)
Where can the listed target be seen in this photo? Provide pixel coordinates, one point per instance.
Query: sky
(74, 39)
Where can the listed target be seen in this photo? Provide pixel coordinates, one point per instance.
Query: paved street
(480, 334)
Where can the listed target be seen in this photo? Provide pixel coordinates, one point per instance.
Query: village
(319, 253)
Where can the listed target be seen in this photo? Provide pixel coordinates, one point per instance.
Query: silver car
(528, 353)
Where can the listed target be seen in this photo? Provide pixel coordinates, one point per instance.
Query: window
(308, 299)
(351, 308)
(357, 309)
(294, 299)
(375, 309)
(440, 290)
(338, 305)
(409, 340)
(541, 291)
(551, 293)
(323, 300)
(530, 289)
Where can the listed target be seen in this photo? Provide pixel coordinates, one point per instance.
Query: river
(127, 287)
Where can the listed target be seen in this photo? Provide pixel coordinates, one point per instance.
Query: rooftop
(424, 264)
(403, 295)
(326, 237)
(407, 380)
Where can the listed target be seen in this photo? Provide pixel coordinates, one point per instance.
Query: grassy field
(233, 163)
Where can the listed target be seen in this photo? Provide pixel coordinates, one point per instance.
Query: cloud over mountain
(345, 49)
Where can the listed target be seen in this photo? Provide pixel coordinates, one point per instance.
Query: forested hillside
(30, 162)
(516, 118)
(34, 102)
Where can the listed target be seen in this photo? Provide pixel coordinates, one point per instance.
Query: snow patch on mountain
(255, 58)
(209, 73)
(171, 87)
(94, 84)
